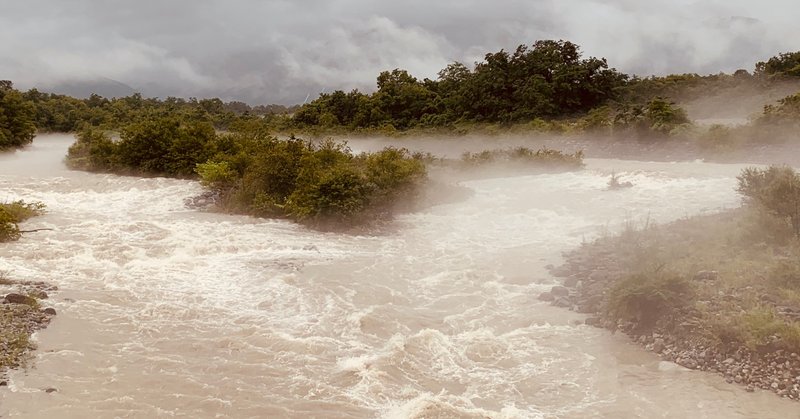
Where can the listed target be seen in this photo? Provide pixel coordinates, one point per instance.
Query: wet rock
(204, 200)
(546, 296)
(3, 383)
(559, 291)
(658, 345)
(50, 311)
(14, 298)
(50, 390)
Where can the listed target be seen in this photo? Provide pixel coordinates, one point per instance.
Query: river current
(166, 311)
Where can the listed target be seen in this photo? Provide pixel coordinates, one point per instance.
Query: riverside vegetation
(547, 88)
(21, 311)
(717, 292)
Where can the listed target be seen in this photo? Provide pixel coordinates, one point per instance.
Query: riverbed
(169, 311)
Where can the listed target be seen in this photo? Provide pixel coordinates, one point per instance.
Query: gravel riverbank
(684, 335)
(23, 311)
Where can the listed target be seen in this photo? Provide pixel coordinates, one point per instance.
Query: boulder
(658, 345)
(14, 298)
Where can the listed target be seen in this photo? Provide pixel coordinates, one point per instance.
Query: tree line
(547, 81)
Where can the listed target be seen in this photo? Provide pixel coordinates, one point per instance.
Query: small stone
(50, 390)
(728, 361)
(3, 383)
(50, 311)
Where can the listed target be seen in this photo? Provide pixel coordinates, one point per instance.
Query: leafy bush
(786, 64)
(658, 116)
(544, 157)
(645, 297)
(93, 151)
(162, 146)
(718, 138)
(786, 274)
(759, 328)
(776, 189)
(165, 146)
(322, 185)
(13, 213)
(17, 126)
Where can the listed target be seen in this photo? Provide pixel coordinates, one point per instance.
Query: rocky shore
(591, 272)
(22, 312)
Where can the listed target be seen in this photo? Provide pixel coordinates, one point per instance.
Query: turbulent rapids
(167, 311)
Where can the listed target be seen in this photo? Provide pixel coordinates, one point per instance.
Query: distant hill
(84, 88)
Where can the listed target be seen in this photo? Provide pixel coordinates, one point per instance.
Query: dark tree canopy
(787, 64)
(545, 80)
(17, 125)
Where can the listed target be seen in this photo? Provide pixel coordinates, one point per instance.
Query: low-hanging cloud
(283, 51)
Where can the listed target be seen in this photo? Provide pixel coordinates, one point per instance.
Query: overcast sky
(280, 51)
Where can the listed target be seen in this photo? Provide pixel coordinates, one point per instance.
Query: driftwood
(35, 230)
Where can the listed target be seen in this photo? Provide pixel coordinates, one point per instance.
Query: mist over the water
(166, 311)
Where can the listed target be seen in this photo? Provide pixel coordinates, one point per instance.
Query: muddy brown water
(166, 311)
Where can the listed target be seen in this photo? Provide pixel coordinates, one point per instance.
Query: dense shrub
(17, 126)
(163, 146)
(541, 158)
(322, 184)
(776, 190)
(93, 151)
(658, 117)
(13, 213)
(646, 297)
(785, 64)
(759, 329)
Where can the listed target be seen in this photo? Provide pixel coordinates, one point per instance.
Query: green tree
(17, 126)
(787, 64)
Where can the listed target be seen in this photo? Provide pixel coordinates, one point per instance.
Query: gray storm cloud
(282, 51)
